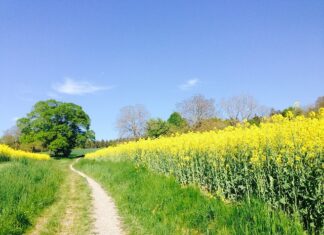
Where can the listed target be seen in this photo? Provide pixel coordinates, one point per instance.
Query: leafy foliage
(210, 124)
(156, 128)
(57, 126)
(177, 120)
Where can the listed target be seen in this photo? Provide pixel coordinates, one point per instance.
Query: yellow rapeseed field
(8, 153)
(280, 162)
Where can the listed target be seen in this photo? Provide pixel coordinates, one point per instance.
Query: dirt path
(70, 214)
(104, 210)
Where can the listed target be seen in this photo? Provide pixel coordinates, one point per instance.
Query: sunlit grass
(26, 188)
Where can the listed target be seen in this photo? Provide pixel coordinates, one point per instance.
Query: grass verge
(155, 204)
(71, 213)
(26, 188)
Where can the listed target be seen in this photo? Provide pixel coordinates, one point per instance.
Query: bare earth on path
(106, 220)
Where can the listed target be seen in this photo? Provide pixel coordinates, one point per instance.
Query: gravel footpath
(106, 220)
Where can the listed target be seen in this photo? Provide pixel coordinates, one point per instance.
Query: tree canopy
(58, 126)
(156, 128)
(177, 120)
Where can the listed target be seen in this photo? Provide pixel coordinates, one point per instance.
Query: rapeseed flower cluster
(281, 162)
(7, 153)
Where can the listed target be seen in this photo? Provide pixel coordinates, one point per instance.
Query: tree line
(200, 114)
(57, 127)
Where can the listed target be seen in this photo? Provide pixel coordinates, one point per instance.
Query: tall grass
(26, 188)
(4, 158)
(156, 204)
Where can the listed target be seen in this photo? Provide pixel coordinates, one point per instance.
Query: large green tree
(58, 126)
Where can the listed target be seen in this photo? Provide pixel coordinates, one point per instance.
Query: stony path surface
(105, 214)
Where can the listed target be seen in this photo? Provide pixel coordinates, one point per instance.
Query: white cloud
(189, 84)
(72, 87)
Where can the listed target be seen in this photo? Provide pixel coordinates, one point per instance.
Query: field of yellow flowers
(280, 162)
(7, 153)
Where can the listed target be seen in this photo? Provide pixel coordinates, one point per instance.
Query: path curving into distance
(106, 220)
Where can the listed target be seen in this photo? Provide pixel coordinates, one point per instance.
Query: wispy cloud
(73, 87)
(189, 84)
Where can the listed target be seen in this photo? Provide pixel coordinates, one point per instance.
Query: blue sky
(104, 55)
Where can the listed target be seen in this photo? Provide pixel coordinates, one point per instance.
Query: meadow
(244, 179)
(279, 162)
(40, 195)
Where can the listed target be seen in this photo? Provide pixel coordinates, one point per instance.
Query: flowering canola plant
(7, 153)
(281, 162)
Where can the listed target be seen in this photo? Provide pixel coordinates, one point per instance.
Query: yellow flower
(11, 153)
(278, 139)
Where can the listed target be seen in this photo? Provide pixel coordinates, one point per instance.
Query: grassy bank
(153, 204)
(26, 188)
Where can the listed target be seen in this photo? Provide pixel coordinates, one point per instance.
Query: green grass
(4, 164)
(155, 204)
(4, 158)
(71, 213)
(26, 188)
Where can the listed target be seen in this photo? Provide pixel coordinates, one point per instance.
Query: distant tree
(197, 108)
(256, 120)
(56, 126)
(319, 103)
(296, 111)
(210, 124)
(11, 137)
(240, 107)
(177, 120)
(107, 143)
(177, 124)
(157, 127)
(132, 120)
